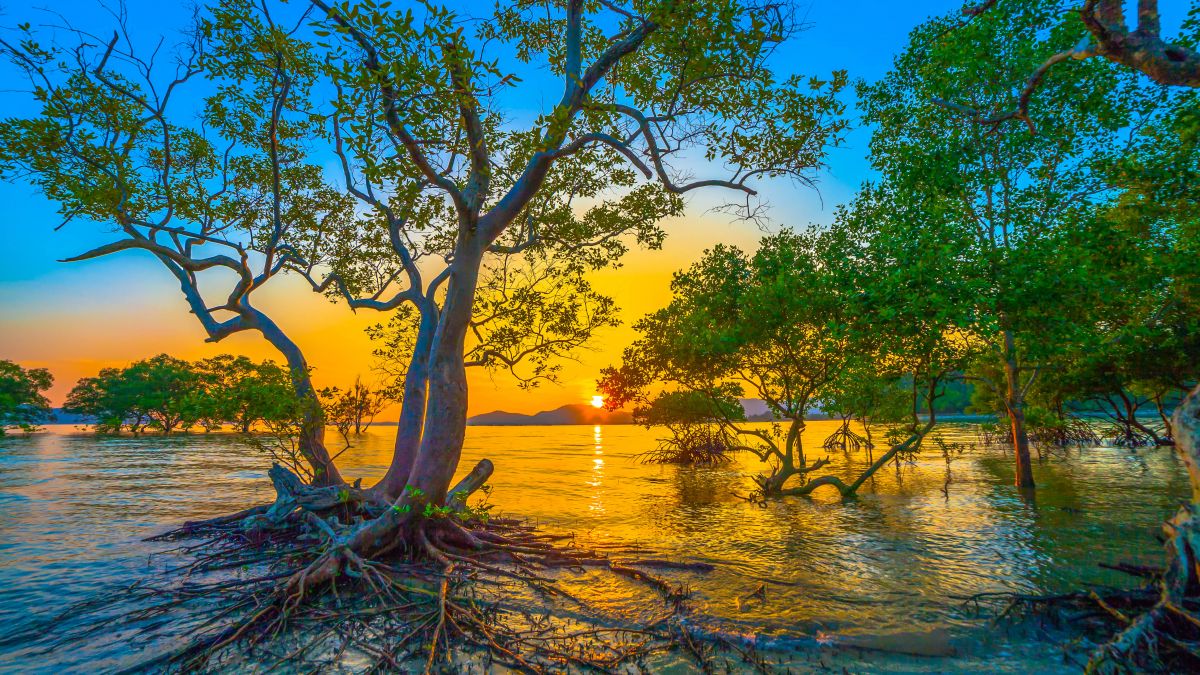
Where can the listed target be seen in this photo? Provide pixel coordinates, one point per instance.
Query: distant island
(580, 413)
(572, 413)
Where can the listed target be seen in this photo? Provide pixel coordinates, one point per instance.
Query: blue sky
(860, 36)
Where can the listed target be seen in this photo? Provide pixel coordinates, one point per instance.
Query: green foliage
(810, 318)
(531, 313)
(354, 409)
(165, 394)
(868, 394)
(242, 393)
(690, 407)
(160, 392)
(22, 404)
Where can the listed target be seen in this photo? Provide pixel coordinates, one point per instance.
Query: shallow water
(888, 569)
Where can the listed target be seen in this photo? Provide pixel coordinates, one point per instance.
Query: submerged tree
(791, 325)
(107, 401)
(767, 326)
(242, 393)
(698, 426)
(864, 397)
(165, 389)
(22, 404)
(164, 393)
(1002, 205)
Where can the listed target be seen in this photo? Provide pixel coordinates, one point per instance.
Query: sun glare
(597, 401)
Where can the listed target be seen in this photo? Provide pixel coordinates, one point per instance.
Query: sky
(75, 318)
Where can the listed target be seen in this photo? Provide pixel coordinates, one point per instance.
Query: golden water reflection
(923, 533)
(597, 481)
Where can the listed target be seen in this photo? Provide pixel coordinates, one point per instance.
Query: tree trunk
(311, 441)
(1014, 402)
(445, 422)
(1168, 428)
(412, 409)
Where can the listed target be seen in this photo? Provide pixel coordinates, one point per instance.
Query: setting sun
(597, 401)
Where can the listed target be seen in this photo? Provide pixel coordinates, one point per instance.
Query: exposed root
(1067, 432)
(1059, 433)
(846, 440)
(448, 589)
(692, 445)
(1128, 436)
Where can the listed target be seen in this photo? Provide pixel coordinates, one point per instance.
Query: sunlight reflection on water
(73, 508)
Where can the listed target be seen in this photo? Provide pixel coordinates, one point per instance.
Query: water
(887, 570)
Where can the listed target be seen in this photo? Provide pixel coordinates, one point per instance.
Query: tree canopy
(22, 403)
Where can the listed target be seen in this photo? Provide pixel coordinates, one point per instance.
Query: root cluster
(1151, 628)
(455, 590)
(692, 445)
(1127, 436)
(1068, 432)
(846, 440)
(1071, 432)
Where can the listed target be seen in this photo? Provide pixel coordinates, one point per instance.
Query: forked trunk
(412, 409)
(445, 422)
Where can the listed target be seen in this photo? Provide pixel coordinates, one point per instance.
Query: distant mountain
(60, 416)
(578, 413)
(572, 413)
(757, 411)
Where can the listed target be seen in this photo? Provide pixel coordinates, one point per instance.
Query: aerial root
(420, 593)
(846, 440)
(692, 444)
(443, 589)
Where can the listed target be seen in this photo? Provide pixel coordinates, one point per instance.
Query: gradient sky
(76, 318)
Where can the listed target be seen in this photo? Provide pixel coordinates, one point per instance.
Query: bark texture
(312, 423)
(1014, 402)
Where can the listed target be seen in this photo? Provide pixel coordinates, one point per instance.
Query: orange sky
(85, 316)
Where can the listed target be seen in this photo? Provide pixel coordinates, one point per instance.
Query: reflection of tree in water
(702, 504)
(1081, 493)
(702, 486)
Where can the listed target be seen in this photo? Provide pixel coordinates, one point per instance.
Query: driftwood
(457, 497)
(292, 493)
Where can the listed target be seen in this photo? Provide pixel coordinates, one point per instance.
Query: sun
(597, 401)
